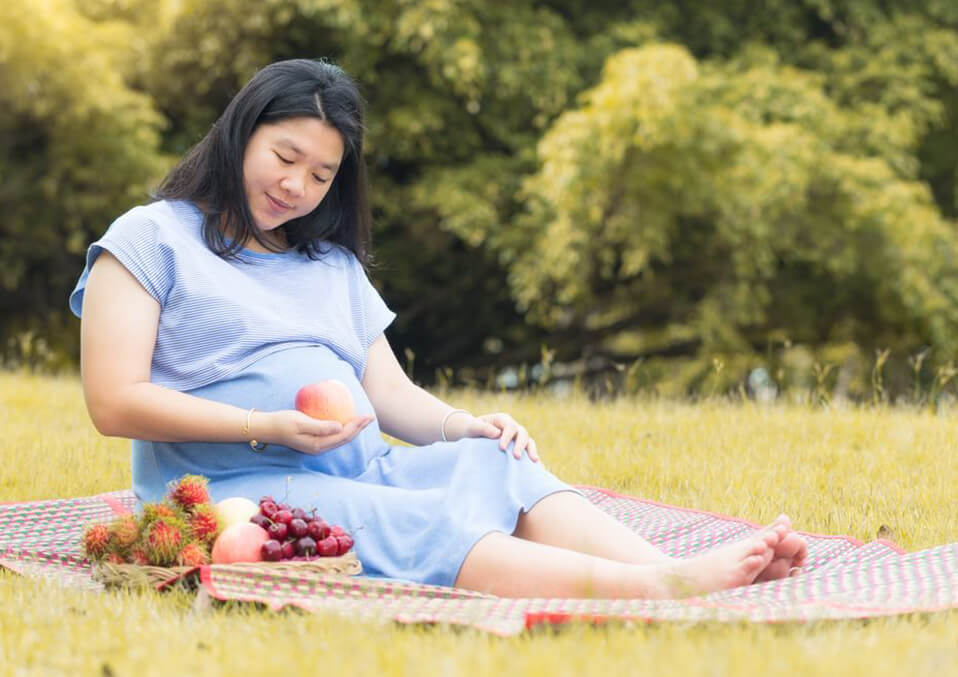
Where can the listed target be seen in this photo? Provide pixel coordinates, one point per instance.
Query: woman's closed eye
(287, 161)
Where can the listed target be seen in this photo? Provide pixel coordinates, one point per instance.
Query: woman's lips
(277, 205)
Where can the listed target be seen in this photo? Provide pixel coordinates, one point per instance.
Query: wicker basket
(138, 576)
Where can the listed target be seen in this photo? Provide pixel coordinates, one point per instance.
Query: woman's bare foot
(790, 555)
(727, 567)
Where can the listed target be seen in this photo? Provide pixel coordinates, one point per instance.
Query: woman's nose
(292, 185)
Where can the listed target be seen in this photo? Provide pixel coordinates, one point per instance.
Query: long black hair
(211, 173)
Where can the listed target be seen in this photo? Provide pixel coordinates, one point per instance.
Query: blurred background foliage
(641, 195)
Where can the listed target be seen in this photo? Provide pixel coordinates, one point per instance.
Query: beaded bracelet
(253, 444)
(442, 426)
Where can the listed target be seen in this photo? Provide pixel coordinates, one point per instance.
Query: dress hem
(515, 524)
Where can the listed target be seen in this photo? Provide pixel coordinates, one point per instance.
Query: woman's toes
(752, 566)
(774, 534)
(762, 542)
(792, 546)
(790, 555)
(778, 568)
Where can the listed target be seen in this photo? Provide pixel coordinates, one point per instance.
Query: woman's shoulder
(335, 254)
(159, 221)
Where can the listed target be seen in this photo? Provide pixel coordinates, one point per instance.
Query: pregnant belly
(271, 383)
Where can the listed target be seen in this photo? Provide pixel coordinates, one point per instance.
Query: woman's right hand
(296, 430)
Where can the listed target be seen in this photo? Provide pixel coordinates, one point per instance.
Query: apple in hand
(327, 400)
(240, 543)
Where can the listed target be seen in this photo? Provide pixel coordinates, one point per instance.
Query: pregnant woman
(204, 311)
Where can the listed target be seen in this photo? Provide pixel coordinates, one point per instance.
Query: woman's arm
(118, 331)
(405, 410)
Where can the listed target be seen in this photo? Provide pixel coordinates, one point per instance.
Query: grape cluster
(296, 534)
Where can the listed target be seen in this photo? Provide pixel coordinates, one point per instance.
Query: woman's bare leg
(507, 566)
(567, 520)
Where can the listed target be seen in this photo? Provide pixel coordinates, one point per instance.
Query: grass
(849, 471)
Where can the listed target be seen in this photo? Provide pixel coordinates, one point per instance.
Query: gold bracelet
(249, 417)
(253, 444)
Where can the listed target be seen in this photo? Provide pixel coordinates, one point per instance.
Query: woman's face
(288, 168)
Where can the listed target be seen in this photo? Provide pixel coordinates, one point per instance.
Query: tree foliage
(614, 178)
(77, 145)
(725, 205)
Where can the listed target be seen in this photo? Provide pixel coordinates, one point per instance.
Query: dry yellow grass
(840, 471)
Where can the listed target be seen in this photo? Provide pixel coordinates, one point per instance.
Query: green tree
(77, 146)
(708, 208)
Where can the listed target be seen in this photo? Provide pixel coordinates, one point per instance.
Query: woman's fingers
(508, 433)
(321, 428)
(321, 436)
(351, 429)
(326, 428)
(522, 442)
(314, 427)
(513, 432)
(532, 451)
(356, 426)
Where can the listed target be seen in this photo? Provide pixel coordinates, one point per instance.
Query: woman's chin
(268, 231)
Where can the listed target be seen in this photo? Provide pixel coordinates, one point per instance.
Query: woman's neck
(277, 244)
(274, 238)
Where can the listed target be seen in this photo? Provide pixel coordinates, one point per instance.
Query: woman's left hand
(505, 428)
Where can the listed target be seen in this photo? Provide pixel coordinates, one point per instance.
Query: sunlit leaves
(751, 166)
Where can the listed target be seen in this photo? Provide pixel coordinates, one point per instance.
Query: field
(848, 470)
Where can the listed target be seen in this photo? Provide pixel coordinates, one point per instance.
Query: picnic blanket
(844, 577)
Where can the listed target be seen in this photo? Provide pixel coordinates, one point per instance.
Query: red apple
(327, 400)
(241, 542)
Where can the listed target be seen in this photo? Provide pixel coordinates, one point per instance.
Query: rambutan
(193, 555)
(124, 532)
(204, 524)
(164, 539)
(138, 556)
(157, 511)
(114, 558)
(96, 541)
(190, 491)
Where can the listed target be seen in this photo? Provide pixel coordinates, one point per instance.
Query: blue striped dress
(250, 332)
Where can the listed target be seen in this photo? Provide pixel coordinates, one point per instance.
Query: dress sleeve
(376, 315)
(134, 239)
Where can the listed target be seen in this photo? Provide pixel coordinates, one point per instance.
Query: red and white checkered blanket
(844, 578)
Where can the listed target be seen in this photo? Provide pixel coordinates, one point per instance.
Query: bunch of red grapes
(296, 534)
